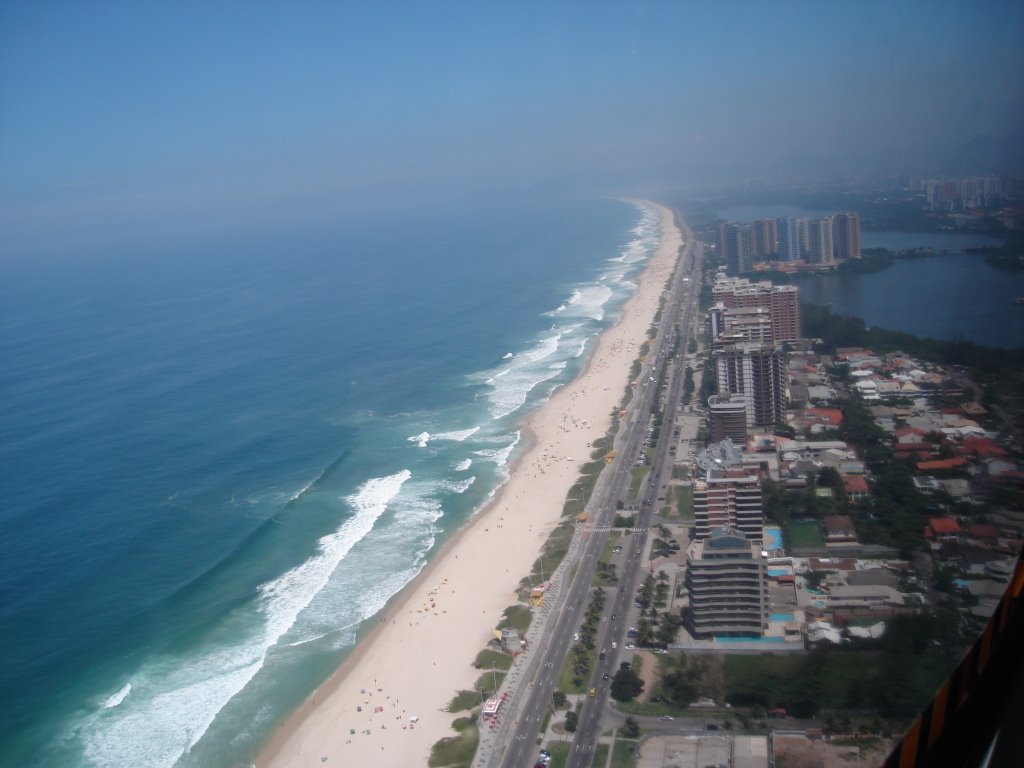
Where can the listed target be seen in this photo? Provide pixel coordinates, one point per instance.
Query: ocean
(221, 458)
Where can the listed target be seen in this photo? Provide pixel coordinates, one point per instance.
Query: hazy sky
(131, 114)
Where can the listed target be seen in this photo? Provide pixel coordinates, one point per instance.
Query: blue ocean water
(220, 458)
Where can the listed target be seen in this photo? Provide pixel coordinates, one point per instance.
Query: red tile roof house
(982, 447)
(982, 531)
(856, 487)
(911, 439)
(831, 417)
(941, 464)
(942, 529)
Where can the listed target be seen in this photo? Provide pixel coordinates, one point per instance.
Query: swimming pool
(751, 639)
(779, 572)
(781, 617)
(772, 538)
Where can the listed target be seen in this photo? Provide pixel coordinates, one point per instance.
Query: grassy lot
(565, 676)
(805, 533)
(600, 758)
(893, 683)
(517, 616)
(684, 501)
(559, 753)
(464, 700)
(638, 475)
(488, 659)
(455, 751)
(554, 551)
(489, 682)
(600, 578)
(622, 755)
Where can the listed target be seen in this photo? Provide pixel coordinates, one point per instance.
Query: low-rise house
(982, 447)
(872, 577)
(831, 564)
(839, 529)
(873, 597)
(942, 529)
(856, 487)
(941, 465)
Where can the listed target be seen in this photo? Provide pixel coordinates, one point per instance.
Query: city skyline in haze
(127, 115)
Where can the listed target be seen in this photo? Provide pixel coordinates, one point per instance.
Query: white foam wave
(421, 439)
(589, 301)
(545, 348)
(117, 698)
(458, 435)
(515, 388)
(507, 356)
(458, 486)
(174, 703)
(499, 455)
(463, 465)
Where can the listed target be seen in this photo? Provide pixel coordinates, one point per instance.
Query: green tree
(558, 699)
(630, 729)
(626, 685)
(571, 721)
(669, 628)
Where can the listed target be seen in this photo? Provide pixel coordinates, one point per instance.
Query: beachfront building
(782, 302)
(737, 324)
(727, 418)
(736, 248)
(728, 493)
(728, 588)
(757, 371)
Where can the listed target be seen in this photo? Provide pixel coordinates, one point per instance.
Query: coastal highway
(529, 703)
(677, 318)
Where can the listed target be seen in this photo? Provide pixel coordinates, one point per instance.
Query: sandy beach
(421, 651)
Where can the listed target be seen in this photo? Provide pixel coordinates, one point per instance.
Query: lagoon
(948, 296)
(951, 295)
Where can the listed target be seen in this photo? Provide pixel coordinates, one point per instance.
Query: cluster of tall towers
(819, 241)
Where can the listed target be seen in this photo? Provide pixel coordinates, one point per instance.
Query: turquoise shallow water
(221, 458)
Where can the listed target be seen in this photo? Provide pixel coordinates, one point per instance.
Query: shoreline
(362, 713)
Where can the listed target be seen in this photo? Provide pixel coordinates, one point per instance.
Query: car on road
(605, 676)
(667, 717)
(630, 646)
(712, 727)
(592, 692)
(614, 645)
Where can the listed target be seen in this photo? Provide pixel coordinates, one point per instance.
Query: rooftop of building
(944, 525)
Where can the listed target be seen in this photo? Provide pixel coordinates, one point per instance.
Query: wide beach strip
(421, 652)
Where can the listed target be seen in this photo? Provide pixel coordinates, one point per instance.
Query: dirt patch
(648, 672)
(799, 752)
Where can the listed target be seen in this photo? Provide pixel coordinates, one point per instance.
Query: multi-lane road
(529, 703)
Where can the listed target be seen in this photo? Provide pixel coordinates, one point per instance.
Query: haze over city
(150, 119)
